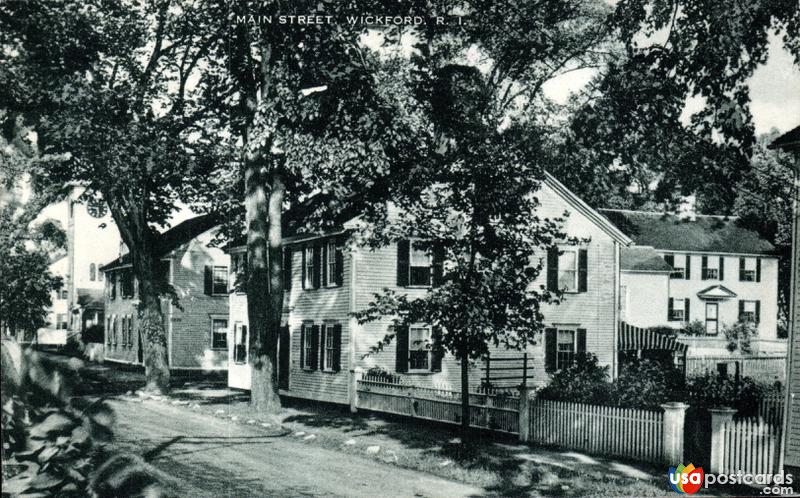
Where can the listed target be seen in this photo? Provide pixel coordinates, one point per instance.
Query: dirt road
(213, 457)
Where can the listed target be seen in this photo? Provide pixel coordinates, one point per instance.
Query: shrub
(646, 384)
(739, 335)
(695, 327)
(711, 390)
(95, 333)
(665, 330)
(584, 382)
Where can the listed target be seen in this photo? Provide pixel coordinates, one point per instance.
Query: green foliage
(646, 384)
(694, 328)
(25, 288)
(739, 336)
(583, 382)
(711, 390)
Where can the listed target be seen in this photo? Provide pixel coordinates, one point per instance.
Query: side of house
(55, 332)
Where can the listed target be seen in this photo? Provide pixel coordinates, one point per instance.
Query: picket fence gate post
(720, 418)
(672, 433)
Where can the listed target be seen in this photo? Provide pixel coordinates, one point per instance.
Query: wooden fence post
(719, 418)
(355, 375)
(524, 414)
(672, 434)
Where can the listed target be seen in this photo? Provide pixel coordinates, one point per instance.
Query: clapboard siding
(323, 305)
(792, 449)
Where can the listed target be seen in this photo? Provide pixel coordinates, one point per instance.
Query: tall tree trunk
(151, 323)
(260, 307)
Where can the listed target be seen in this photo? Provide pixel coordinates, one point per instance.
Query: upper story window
(308, 270)
(99, 274)
(567, 269)
(127, 284)
(713, 268)
(220, 281)
(330, 265)
(238, 271)
(92, 272)
(112, 285)
(681, 264)
(749, 269)
(63, 293)
(420, 262)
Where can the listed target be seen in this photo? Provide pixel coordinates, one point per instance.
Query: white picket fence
(750, 446)
(607, 430)
(770, 408)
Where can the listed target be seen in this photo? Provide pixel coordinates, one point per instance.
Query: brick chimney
(686, 209)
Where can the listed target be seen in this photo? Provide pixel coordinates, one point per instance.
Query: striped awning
(632, 338)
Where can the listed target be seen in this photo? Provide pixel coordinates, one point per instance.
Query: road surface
(209, 456)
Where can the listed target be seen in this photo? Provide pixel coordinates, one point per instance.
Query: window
(750, 311)
(112, 285)
(568, 270)
(220, 281)
(219, 333)
(115, 331)
(680, 264)
(677, 311)
(239, 271)
(419, 266)
(109, 325)
(63, 293)
(308, 351)
(749, 269)
(713, 268)
(330, 264)
(239, 343)
(92, 272)
(99, 274)
(712, 318)
(308, 276)
(61, 321)
(565, 349)
(130, 331)
(419, 347)
(127, 283)
(329, 348)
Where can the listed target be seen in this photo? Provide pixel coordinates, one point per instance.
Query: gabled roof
(668, 232)
(787, 141)
(580, 205)
(172, 239)
(716, 292)
(642, 259)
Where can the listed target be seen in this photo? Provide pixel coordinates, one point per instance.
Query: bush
(584, 382)
(646, 384)
(739, 335)
(695, 327)
(711, 390)
(95, 333)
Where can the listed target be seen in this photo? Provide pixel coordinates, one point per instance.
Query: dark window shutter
(552, 269)
(583, 263)
(758, 270)
(741, 309)
(688, 271)
(336, 361)
(670, 259)
(403, 255)
(287, 268)
(303, 268)
(338, 279)
(207, 280)
(436, 350)
(721, 268)
(303, 339)
(314, 346)
(741, 269)
(324, 265)
(670, 307)
(322, 359)
(758, 311)
(704, 265)
(581, 346)
(438, 266)
(316, 276)
(401, 348)
(550, 348)
(686, 315)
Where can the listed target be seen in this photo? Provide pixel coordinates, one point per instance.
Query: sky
(774, 90)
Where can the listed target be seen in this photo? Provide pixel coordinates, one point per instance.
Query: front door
(284, 347)
(712, 320)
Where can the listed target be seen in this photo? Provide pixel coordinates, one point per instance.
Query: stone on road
(209, 456)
